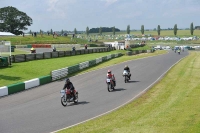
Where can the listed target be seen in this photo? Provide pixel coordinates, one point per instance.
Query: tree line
(15, 21)
(102, 29)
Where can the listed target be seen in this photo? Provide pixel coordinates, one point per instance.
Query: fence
(47, 55)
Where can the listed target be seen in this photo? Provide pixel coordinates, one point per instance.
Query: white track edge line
(124, 103)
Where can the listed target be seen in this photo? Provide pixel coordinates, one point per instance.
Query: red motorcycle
(110, 84)
(67, 96)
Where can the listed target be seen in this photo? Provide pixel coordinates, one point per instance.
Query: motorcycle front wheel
(63, 101)
(125, 79)
(109, 87)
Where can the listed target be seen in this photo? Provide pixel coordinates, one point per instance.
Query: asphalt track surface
(39, 110)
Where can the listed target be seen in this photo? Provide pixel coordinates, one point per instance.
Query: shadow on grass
(9, 78)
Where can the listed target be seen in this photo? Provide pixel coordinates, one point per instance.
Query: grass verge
(171, 106)
(24, 71)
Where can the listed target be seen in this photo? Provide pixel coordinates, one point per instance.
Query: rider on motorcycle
(128, 69)
(70, 86)
(111, 76)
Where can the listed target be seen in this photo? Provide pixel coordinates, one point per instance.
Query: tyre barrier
(138, 52)
(83, 65)
(108, 57)
(46, 55)
(98, 60)
(60, 73)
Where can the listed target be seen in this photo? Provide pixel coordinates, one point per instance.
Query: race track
(39, 110)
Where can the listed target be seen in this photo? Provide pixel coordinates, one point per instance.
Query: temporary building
(6, 34)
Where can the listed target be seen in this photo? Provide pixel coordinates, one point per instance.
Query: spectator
(73, 48)
(53, 34)
(85, 46)
(54, 49)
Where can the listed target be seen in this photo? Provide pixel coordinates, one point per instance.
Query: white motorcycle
(110, 84)
(126, 75)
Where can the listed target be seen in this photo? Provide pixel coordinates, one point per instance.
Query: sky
(70, 14)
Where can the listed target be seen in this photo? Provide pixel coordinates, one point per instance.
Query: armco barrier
(45, 79)
(31, 83)
(3, 91)
(14, 88)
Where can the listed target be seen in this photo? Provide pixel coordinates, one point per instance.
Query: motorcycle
(67, 96)
(110, 84)
(179, 51)
(126, 76)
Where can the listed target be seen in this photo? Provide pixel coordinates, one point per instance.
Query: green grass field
(171, 106)
(19, 40)
(24, 71)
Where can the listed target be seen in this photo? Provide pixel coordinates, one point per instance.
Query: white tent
(6, 34)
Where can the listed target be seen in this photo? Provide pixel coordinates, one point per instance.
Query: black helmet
(67, 80)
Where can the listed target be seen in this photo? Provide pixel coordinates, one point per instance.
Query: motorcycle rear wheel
(76, 100)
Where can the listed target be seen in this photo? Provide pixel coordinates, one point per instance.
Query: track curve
(39, 109)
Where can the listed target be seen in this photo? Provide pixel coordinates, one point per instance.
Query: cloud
(109, 2)
(59, 8)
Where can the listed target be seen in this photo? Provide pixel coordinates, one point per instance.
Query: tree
(75, 31)
(191, 28)
(62, 32)
(158, 30)
(87, 31)
(13, 20)
(128, 29)
(113, 30)
(142, 29)
(51, 32)
(104, 29)
(30, 32)
(175, 29)
(100, 30)
(41, 32)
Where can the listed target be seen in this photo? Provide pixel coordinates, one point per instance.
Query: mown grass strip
(23, 71)
(171, 106)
